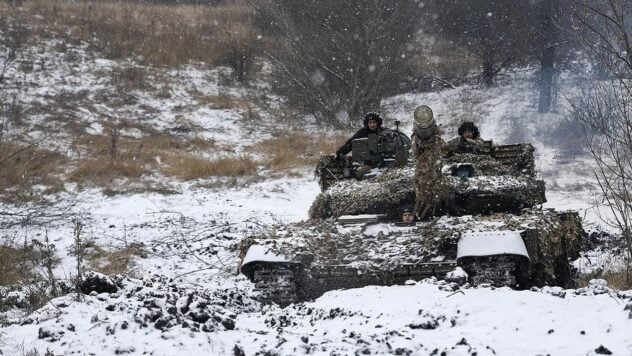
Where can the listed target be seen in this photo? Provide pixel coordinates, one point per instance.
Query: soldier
(407, 214)
(468, 141)
(372, 124)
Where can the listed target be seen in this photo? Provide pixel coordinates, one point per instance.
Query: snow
(489, 243)
(258, 253)
(192, 239)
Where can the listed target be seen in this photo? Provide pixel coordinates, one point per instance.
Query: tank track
(498, 271)
(276, 283)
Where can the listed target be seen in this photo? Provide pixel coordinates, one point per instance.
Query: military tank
(480, 216)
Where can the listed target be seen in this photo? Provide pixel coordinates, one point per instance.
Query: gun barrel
(424, 124)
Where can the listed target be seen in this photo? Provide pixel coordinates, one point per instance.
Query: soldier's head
(468, 130)
(372, 121)
(407, 214)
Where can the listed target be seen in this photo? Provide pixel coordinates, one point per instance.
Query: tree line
(336, 60)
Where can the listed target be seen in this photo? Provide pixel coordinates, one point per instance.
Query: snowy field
(186, 298)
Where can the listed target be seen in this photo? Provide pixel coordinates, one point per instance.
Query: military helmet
(372, 115)
(468, 126)
(406, 209)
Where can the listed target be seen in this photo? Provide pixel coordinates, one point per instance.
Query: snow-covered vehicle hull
(301, 262)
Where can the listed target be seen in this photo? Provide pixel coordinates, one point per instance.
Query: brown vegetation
(23, 166)
(112, 262)
(288, 151)
(15, 265)
(618, 280)
(161, 35)
(189, 167)
(113, 156)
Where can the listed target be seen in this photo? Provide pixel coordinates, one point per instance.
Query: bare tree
(499, 32)
(337, 59)
(605, 108)
(12, 35)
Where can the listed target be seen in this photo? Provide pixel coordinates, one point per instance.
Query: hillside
(154, 175)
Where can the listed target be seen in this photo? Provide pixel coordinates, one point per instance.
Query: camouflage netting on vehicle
(551, 239)
(329, 171)
(492, 186)
(528, 191)
(484, 165)
(385, 193)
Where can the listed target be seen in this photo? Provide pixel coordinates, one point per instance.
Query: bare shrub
(164, 143)
(188, 167)
(13, 35)
(604, 107)
(27, 269)
(126, 79)
(238, 42)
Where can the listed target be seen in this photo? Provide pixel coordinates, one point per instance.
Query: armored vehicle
(484, 225)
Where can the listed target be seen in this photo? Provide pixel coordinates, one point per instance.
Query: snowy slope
(185, 297)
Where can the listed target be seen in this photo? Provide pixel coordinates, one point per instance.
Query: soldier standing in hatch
(372, 124)
(468, 141)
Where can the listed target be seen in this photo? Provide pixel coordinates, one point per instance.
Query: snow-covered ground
(186, 298)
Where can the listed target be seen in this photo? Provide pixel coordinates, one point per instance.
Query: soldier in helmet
(407, 214)
(372, 124)
(468, 141)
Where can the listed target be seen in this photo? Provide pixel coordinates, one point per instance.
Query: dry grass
(188, 167)
(222, 102)
(28, 266)
(116, 156)
(163, 35)
(14, 265)
(618, 280)
(22, 267)
(112, 262)
(289, 151)
(24, 166)
(101, 172)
